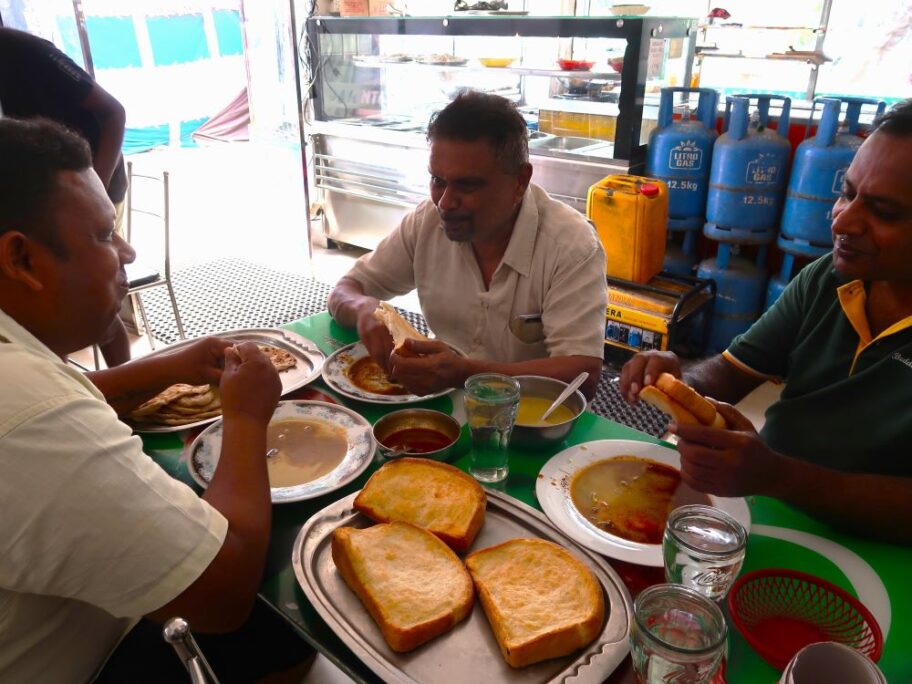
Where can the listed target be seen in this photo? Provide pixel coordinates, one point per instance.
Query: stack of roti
(179, 405)
(183, 404)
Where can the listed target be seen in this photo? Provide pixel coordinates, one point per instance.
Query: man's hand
(428, 367)
(643, 369)
(374, 335)
(199, 362)
(250, 385)
(732, 462)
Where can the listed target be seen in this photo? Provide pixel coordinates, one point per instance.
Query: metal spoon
(571, 388)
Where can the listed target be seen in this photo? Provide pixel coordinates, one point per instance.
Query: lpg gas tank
(749, 172)
(680, 153)
(817, 175)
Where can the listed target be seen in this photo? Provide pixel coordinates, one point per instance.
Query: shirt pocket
(527, 328)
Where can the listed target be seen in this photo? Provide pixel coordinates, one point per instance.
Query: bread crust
(435, 496)
(688, 397)
(412, 585)
(656, 397)
(399, 328)
(540, 600)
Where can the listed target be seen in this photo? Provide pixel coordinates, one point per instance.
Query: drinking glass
(703, 548)
(677, 636)
(491, 400)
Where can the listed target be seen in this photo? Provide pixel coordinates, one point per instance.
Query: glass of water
(703, 548)
(677, 636)
(491, 400)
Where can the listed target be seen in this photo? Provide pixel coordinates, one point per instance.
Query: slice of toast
(653, 395)
(540, 600)
(414, 587)
(433, 495)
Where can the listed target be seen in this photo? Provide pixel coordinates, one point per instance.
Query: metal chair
(177, 633)
(140, 276)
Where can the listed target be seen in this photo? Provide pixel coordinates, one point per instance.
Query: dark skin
(872, 236)
(478, 202)
(67, 301)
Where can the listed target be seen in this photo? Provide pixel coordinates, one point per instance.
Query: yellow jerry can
(630, 214)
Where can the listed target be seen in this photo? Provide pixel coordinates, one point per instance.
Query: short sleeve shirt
(554, 266)
(847, 399)
(93, 533)
(37, 79)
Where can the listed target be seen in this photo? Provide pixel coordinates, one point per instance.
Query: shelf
(520, 70)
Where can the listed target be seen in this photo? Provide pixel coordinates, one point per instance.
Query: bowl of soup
(416, 432)
(536, 394)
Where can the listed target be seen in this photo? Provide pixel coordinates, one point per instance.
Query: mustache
(452, 216)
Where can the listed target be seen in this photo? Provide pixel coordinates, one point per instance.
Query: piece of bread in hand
(414, 587)
(436, 496)
(682, 402)
(540, 600)
(399, 328)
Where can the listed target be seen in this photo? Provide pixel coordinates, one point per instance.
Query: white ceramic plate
(307, 354)
(553, 491)
(335, 374)
(205, 450)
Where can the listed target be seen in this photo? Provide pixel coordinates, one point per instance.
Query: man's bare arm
(111, 119)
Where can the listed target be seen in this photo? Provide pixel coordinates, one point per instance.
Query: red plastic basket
(781, 611)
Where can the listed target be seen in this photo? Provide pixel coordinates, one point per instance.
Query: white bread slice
(653, 395)
(400, 329)
(414, 587)
(540, 600)
(436, 496)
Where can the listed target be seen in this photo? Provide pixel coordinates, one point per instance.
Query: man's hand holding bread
(721, 452)
(422, 365)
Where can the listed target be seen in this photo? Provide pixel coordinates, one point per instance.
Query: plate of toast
(184, 406)
(613, 496)
(423, 571)
(312, 448)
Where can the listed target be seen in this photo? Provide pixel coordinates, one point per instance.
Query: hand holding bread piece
(414, 587)
(399, 328)
(436, 496)
(683, 403)
(540, 600)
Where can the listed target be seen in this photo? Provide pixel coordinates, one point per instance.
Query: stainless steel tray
(308, 355)
(469, 652)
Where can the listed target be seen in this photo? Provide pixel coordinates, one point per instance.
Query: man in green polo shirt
(838, 442)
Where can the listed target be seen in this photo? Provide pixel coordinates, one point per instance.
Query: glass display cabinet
(587, 87)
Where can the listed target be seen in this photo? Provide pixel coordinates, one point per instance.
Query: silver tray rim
(592, 666)
(298, 345)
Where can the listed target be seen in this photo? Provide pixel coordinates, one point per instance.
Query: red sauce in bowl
(417, 440)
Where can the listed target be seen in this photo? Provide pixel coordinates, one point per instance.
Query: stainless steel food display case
(587, 86)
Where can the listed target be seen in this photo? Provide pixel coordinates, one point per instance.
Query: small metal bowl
(404, 419)
(542, 437)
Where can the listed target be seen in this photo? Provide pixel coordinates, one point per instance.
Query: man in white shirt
(94, 535)
(508, 275)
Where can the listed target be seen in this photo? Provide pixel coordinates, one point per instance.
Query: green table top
(781, 536)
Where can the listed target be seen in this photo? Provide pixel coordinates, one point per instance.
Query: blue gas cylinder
(681, 255)
(680, 153)
(740, 288)
(749, 172)
(818, 170)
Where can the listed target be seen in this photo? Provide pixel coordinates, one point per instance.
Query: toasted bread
(399, 328)
(540, 600)
(653, 395)
(433, 495)
(413, 586)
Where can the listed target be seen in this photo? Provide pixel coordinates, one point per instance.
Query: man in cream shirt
(504, 273)
(94, 534)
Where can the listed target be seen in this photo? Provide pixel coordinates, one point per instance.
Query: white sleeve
(87, 515)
